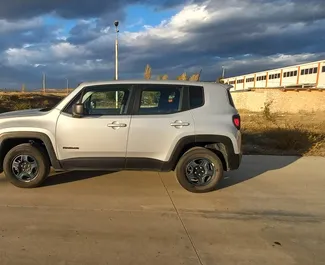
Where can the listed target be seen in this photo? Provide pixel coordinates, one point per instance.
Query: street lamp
(116, 23)
(223, 71)
(44, 82)
(67, 85)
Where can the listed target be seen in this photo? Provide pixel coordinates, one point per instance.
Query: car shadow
(253, 166)
(72, 176)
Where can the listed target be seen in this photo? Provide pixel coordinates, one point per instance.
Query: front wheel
(199, 170)
(26, 166)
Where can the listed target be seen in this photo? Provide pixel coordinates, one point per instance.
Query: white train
(303, 75)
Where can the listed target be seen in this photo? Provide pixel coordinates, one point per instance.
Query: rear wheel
(199, 170)
(26, 166)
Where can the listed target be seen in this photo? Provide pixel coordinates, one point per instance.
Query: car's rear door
(160, 118)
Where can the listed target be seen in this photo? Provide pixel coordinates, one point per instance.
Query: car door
(98, 140)
(157, 124)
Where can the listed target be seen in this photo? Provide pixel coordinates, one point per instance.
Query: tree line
(194, 77)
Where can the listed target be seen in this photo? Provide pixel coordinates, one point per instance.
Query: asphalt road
(271, 211)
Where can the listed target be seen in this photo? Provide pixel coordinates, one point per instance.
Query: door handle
(179, 124)
(116, 124)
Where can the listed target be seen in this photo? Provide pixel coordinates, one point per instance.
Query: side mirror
(78, 110)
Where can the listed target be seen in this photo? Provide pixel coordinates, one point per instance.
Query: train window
(310, 71)
(278, 75)
(315, 70)
(306, 71)
(302, 72)
(285, 74)
(323, 69)
(291, 73)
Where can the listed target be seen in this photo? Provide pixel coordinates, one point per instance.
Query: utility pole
(116, 23)
(23, 88)
(67, 86)
(44, 82)
(223, 71)
(200, 75)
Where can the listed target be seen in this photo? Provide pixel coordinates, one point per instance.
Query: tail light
(236, 121)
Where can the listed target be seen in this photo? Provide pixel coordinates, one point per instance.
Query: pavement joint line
(181, 220)
(45, 207)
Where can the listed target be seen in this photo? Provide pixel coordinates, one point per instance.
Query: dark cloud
(17, 9)
(33, 36)
(243, 35)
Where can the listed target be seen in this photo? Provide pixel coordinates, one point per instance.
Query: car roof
(159, 82)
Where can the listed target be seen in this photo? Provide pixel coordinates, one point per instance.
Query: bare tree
(195, 77)
(183, 77)
(220, 80)
(164, 77)
(147, 72)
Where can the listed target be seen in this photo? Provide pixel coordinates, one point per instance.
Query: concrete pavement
(270, 211)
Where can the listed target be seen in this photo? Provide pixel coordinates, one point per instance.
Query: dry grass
(19, 101)
(283, 134)
(263, 132)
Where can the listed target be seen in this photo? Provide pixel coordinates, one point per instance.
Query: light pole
(67, 86)
(223, 71)
(44, 82)
(116, 23)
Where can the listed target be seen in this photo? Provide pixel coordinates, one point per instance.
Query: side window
(104, 102)
(101, 100)
(160, 99)
(196, 97)
(150, 99)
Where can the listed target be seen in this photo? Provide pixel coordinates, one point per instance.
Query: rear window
(230, 99)
(196, 97)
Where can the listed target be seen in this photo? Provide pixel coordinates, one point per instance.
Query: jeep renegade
(192, 128)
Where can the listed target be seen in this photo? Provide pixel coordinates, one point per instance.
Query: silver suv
(192, 128)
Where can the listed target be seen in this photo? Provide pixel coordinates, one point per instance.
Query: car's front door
(157, 124)
(97, 140)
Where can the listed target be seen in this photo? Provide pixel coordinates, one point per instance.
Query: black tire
(41, 159)
(196, 153)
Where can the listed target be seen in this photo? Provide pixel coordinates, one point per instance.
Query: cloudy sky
(75, 39)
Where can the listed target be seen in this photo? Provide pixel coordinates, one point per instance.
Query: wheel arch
(9, 140)
(221, 145)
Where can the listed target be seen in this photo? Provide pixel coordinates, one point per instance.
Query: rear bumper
(234, 161)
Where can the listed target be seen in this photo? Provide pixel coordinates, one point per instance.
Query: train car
(310, 74)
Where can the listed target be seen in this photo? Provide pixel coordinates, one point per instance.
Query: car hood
(22, 113)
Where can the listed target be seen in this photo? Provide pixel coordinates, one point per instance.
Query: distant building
(302, 75)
